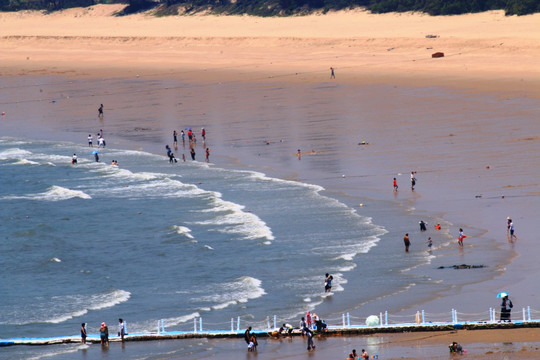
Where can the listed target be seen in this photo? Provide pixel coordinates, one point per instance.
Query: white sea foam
(182, 230)
(26, 162)
(208, 247)
(151, 325)
(62, 308)
(58, 193)
(236, 220)
(14, 154)
(57, 351)
(238, 291)
(55, 193)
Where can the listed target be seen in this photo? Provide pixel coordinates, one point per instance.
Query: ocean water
(148, 240)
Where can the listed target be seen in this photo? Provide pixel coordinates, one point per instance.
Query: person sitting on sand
(455, 348)
(288, 327)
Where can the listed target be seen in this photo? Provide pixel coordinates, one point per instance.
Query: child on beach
(461, 237)
(429, 242)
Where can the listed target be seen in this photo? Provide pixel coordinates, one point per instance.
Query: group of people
(192, 143)
(354, 356)
(104, 332)
(251, 339)
(413, 182)
(100, 139)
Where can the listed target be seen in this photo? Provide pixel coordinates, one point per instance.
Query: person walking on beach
(175, 139)
(309, 335)
(506, 308)
(413, 180)
(183, 135)
(121, 329)
(395, 185)
(104, 334)
(303, 325)
(511, 229)
(508, 222)
(203, 135)
(90, 139)
(83, 333)
(299, 154)
(100, 111)
(332, 73)
(461, 236)
(407, 242)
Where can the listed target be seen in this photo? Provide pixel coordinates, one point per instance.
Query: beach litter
(437, 55)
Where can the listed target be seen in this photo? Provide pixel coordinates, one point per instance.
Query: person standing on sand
(121, 329)
(203, 134)
(104, 334)
(395, 185)
(461, 237)
(100, 111)
(506, 308)
(407, 242)
(508, 222)
(83, 333)
(175, 139)
(299, 154)
(192, 152)
(247, 335)
(413, 180)
(90, 139)
(332, 73)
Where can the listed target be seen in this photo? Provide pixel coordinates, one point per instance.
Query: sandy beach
(465, 122)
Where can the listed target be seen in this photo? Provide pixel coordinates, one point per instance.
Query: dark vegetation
(288, 7)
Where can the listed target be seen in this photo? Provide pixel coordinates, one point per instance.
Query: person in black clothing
(506, 308)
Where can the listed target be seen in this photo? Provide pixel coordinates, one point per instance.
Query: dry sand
(488, 56)
(485, 49)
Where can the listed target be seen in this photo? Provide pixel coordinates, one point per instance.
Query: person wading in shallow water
(407, 242)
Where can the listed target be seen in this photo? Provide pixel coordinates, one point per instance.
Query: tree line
(288, 7)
